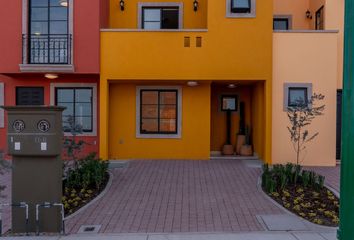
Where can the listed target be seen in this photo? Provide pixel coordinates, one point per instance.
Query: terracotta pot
(241, 139)
(246, 150)
(228, 150)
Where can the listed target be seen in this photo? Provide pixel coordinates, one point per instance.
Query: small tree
(72, 145)
(4, 166)
(301, 116)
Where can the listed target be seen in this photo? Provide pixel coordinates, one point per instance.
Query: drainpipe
(346, 229)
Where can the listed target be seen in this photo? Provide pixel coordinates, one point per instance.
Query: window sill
(240, 15)
(86, 134)
(158, 136)
(45, 68)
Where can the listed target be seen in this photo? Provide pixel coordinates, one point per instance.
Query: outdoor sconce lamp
(308, 14)
(121, 4)
(195, 5)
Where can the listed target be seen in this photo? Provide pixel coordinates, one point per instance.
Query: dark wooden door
(339, 124)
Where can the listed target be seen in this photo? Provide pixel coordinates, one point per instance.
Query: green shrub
(90, 173)
(278, 177)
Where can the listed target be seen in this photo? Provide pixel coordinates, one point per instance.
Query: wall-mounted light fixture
(63, 3)
(51, 75)
(232, 85)
(195, 5)
(122, 5)
(308, 14)
(192, 83)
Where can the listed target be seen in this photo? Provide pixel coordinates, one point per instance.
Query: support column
(268, 121)
(104, 116)
(346, 229)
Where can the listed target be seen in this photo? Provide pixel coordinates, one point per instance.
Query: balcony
(47, 53)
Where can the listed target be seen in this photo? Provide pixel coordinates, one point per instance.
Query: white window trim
(230, 14)
(94, 103)
(160, 4)
(25, 66)
(308, 86)
(2, 103)
(290, 20)
(179, 113)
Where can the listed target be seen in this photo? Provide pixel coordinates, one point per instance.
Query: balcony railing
(47, 49)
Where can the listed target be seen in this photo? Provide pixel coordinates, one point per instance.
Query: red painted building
(49, 55)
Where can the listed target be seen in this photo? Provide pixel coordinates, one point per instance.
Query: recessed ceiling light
(63, 3)
(231, 85)
(37, 33)
(51, 75)
(192, 83)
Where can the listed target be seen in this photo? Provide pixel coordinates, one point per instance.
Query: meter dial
(18, 126)
(43, 126)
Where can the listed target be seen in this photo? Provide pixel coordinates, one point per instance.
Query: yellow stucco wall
(195, 140)
(233, 49)
(305, 58)
(258, 123)
(128, 17)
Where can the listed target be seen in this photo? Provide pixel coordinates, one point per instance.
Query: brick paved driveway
(179, 196)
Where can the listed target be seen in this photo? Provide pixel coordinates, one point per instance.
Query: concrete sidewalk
(331, 235)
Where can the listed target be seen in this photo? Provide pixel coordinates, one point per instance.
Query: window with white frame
(160, 18)
(2, 103)
(158, 112)
(160, 15)
(297, 94)
(240, 8)
(80, 101)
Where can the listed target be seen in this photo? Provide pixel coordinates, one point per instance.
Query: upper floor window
(241, 6)
(48, 39)
(319, 21)
(280, 24)
(160, 18)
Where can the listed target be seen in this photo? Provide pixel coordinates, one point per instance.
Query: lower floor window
(158, 111)
(29, 96)
(297, 96)
(78, 114)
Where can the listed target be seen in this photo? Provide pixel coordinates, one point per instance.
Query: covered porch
(238, 120)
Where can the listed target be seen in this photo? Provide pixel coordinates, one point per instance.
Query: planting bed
(301, 192)
(75, 198)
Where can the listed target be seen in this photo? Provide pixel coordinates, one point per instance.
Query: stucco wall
(194, 142)
(305, 58)
(10, 84)
(128, 18)
(297, 9)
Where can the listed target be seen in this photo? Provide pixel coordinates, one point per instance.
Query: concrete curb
(93, 200)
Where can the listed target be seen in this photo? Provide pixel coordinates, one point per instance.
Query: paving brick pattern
(5, 180)
(179, 196)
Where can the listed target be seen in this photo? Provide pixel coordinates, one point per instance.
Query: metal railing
(47, 49)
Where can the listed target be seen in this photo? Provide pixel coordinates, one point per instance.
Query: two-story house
(166, 69)
(49, 55)
(164, 79)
